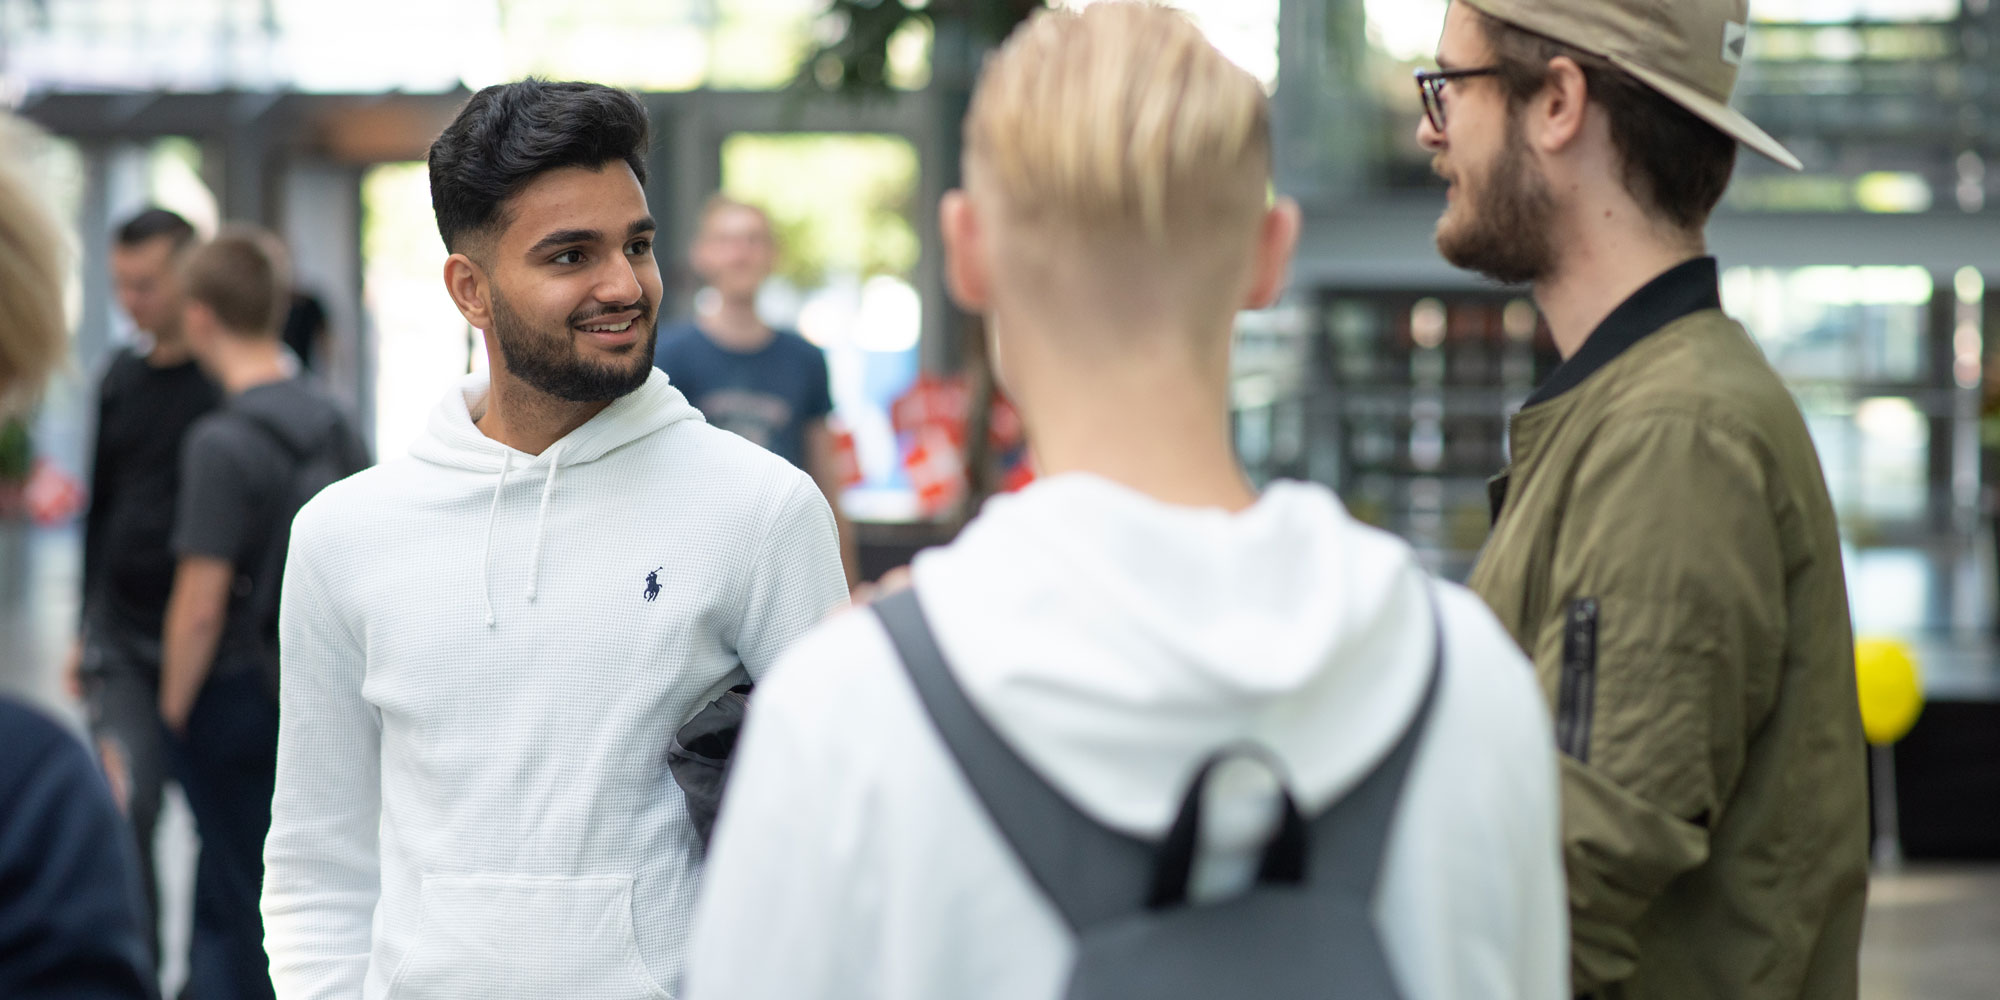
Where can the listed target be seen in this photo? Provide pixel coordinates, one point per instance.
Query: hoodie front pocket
(1576, 699)
(484, 936)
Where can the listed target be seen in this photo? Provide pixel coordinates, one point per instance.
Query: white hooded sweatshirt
(485, 657)
(1115, 642)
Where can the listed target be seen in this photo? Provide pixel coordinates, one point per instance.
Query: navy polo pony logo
(653, 585)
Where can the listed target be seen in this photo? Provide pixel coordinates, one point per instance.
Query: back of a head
(32, 328)
(241, 276)
(1121, 121)
(509, 134)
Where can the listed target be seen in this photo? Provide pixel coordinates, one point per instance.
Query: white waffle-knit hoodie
(1115, 641)
(485, 656)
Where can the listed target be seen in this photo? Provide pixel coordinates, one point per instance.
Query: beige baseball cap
(1688, 50)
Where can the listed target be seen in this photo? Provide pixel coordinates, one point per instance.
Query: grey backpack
(1305, 929)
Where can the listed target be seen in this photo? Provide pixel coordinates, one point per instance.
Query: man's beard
(548, 361)
(1504, 232)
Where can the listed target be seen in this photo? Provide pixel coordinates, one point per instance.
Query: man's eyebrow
(1445, 64)
(642, 225)
(565, 236)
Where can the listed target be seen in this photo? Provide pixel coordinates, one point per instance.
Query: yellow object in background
(1892, 693)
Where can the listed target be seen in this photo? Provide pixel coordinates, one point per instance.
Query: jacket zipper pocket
(1577, 696)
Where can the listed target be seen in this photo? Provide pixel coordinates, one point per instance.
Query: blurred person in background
(71, 908)
(149, 397)
(770, 386)
(489, 645)
(1137, 614)
(246, 470)
(1663, 544)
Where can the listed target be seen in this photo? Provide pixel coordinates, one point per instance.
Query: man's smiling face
(576, 290)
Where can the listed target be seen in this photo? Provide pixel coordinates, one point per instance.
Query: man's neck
(168, 351)
(1156, 425)
(1604, 265)
(528, 420)
(245, 366)
(735, 325)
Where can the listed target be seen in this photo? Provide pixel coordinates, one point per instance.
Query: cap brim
(1712, 111)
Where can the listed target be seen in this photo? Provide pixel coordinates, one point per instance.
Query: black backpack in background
(1305, 929)
(332, 457)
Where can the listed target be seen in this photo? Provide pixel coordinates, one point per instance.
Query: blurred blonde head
(1118, 172)
(1123, 120)
(33, 333)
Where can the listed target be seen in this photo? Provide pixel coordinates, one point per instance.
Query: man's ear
(1556, 115)
(967, 272)
(470, 289)
(197, 319)
(1277, 240)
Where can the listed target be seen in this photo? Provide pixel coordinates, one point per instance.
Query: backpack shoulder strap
(1350, 839)
(1090, 872)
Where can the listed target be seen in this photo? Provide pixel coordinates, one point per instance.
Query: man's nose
(1428, 136)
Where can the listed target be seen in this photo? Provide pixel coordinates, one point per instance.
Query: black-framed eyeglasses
(1430, 83)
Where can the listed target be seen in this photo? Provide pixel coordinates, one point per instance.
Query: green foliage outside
(17, 452)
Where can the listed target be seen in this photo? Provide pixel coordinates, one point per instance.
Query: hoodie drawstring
(492, 515)
(542, 523)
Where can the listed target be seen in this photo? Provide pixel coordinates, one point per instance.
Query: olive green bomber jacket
(1667, 554)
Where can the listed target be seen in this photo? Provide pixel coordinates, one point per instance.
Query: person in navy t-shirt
(770, 386)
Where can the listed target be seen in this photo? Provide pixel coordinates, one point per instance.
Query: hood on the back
(454, 440)
(1116, 640)
(297, 412)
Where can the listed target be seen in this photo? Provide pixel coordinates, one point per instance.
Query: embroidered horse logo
(653, 585)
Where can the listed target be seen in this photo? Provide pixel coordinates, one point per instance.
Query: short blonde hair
(1121, 119)
(33, 330)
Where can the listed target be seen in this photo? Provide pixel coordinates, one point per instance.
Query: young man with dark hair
(1663, 547)
(242, 470)
(768, 385)
(149, 397)
(488, 646)
(1141, 611)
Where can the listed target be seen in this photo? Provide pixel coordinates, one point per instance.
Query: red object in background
(937, 471)
(933, 414)
(846, 458)
(51, 496)
(932, 403)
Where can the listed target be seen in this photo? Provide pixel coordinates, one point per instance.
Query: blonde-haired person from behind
(70, 915)
(1136, 610)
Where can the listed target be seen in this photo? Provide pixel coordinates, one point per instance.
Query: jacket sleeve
(796, 578)
(321, 867)
(69, 911)
(1664, 640)
(101, 505)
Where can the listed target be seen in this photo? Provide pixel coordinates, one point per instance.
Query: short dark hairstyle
(1674, 162)
(511, 133)
(242, 276)
(156, 223)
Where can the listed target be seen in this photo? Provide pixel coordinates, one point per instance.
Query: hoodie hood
(453, 440)
(1116, 641)
(299, 414)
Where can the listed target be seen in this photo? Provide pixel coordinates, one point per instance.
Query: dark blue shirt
(69, 885)
(769, 395)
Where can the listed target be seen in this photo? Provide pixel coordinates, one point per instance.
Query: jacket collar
(1683, 290)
